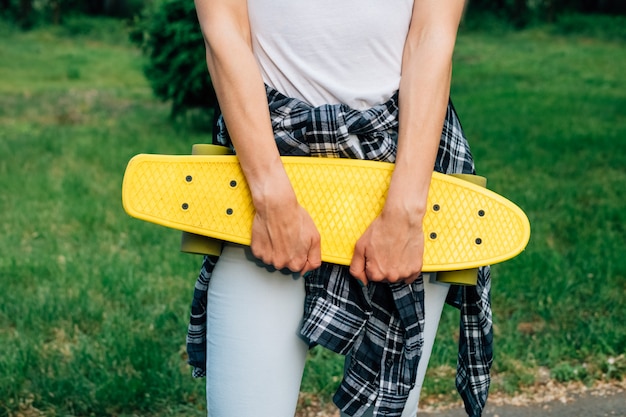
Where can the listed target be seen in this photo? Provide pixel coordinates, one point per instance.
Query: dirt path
(550, 400)
(585, 405)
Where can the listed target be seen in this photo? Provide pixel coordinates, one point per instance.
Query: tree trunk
(55, 5)
(26, 13)
(520, 13)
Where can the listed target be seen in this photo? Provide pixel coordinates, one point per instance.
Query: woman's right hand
(283, 233)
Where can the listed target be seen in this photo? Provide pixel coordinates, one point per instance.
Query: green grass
(545, 116)
(93, 304)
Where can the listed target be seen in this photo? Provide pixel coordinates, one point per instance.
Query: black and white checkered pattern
(378, 327)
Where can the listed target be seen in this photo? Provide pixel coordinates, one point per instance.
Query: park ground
(549, 399)
(94, 304)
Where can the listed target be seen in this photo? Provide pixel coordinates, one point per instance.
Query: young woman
(365, 79)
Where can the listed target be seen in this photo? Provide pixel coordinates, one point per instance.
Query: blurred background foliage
(167, 32)
(520, 12)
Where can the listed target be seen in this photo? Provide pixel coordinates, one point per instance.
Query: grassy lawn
(545, 116)
(94, 304)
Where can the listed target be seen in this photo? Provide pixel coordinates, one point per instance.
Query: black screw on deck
(436, 207)
(185, 206)
(433, 235)
(481, 213)
(188, 178)
(479, 241)
(229, 211)
(233, 183)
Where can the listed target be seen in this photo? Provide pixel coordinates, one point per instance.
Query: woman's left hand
(391, 249)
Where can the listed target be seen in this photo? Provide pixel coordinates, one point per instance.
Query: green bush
(523, 13)
(28, 14)
(595, 26)
(565, 372)
(169, 34)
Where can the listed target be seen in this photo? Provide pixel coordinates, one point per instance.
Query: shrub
(596, 26)
(169, 35)
(31, 13)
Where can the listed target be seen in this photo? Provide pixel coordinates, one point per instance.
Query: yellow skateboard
(466, 225)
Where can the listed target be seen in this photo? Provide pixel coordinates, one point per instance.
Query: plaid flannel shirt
(378, 327)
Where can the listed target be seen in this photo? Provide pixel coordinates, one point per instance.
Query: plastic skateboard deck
(466, 225)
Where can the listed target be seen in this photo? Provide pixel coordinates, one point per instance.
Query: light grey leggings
(255, 357)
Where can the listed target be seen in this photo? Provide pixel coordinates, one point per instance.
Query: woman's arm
(392, 247)
(283, 233)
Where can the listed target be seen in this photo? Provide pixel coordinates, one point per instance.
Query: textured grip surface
(466, 226)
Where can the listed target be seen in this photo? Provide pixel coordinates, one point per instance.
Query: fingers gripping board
(465, 226)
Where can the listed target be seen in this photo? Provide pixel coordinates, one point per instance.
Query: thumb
(357, 265)
(314, 256)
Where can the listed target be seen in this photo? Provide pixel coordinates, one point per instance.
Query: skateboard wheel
(200, 245)
(474, 179)
(209, 149)
(191, 242)
(464, 277)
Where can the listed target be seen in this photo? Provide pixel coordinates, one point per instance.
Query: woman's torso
(331, 51)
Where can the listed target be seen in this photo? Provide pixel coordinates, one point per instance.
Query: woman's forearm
(424, 93)
(241, 93)
(283, 233)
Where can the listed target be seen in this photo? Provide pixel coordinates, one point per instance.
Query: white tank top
(331, 51)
